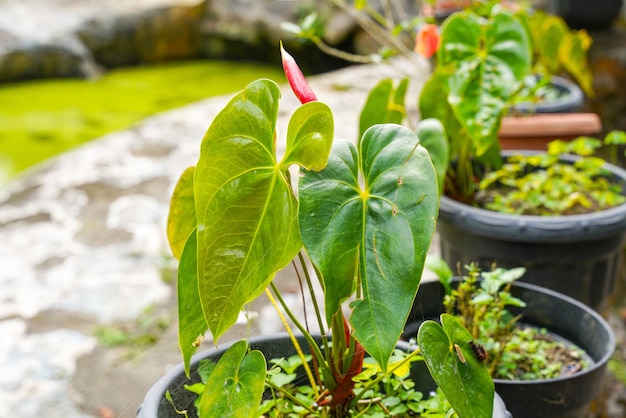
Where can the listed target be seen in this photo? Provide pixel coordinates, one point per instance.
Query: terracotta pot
(533, 132)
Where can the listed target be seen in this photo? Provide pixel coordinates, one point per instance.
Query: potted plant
(482, 60)
(548, 106)
(364, 216)
(578, 255)
(530, 336)
(542, 84)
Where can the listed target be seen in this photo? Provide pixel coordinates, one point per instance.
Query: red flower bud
(296, 79)
(427, 40)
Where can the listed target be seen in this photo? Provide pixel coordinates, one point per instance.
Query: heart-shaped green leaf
(456, 369)
(235, 386)
(485, 61)
(181, 220)
(367, 219)
(384, 105)
(246, 210)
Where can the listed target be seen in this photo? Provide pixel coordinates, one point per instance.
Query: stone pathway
(83, 245)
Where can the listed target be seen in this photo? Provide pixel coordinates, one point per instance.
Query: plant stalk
(305, 364)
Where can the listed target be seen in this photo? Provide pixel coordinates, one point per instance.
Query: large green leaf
(485, 61)
(462, 377)
(181, 220)
(235, 386)
(367, 219)
(384, 105)
(246, 210)
(191, 323)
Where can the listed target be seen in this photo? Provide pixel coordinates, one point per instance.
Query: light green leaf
(384, 105)
(440, 267)
(235, 386)
(246, 210)
(181, 220)
(615, 137)
(573, 56)
(463, 378)
(309, 136)
(191, 323)
(548, 39)
(374, 233)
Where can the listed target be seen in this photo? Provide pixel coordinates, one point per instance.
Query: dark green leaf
(463, 378)
(374, 232)
(485, 62)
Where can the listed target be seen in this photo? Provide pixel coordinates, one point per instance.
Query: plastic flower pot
(534, 132)
(577, 255)
(562, 316)
(570, 98)
(578, 14)
(155, 405)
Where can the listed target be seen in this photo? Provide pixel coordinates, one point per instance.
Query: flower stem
(312, 344)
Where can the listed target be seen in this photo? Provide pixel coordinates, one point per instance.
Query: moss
(40, 119)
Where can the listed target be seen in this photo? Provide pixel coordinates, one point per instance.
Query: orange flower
(427, 40)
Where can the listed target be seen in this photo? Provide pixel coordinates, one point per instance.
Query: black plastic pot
(565, 397)
(577, 255)
(570, 99)
(275, 346)
(597, 14)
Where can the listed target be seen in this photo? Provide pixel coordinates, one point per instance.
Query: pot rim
(155, 393)
(562, 104)
(536, 228)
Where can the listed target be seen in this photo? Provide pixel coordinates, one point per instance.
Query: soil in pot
(558, 96)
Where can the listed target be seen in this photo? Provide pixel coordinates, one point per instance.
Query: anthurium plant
(363, 215)
(482, 300)
(487, 57)
(481, 65)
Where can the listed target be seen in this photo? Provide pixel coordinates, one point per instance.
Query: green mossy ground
(40, 119)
